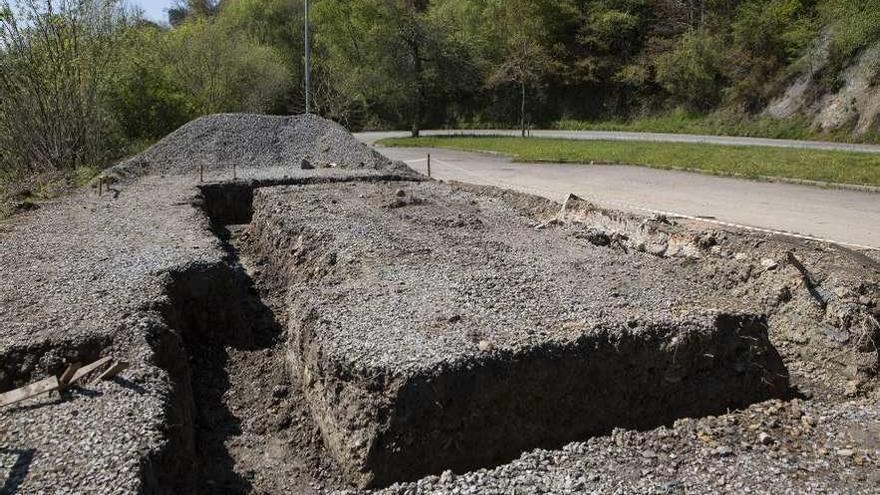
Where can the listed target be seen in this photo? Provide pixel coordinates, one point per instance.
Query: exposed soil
(265, 439)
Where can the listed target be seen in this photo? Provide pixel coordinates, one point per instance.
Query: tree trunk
(522, 109)
(419, 110)
(416, 132)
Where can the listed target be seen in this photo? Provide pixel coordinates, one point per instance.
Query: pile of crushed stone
(251, 141)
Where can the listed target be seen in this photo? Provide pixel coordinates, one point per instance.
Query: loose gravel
(90, 276)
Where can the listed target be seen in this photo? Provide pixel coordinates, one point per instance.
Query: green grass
(748, 161)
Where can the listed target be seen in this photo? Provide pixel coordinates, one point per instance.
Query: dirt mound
(255, 141)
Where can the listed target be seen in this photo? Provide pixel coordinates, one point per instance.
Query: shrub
(53, 61)
(692, 72)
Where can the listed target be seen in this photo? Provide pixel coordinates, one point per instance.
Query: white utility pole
(308, 62)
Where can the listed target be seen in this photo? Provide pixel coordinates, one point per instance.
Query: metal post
(429, 164)
(202, 172)
(234, 172)
(308, 71)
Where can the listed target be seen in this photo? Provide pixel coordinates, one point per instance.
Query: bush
(767, 36)
(219, 70)
(53, 72)
(145, 100)
(692, 72)
(855, 25)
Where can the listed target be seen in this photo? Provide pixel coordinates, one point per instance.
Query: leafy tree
(767, 35)
(144, 97)
(693, 71)
(53, 78)
(391, 54)
(277, 24)
(526, 58)
(220, 70)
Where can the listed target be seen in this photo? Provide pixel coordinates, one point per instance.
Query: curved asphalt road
(846, 217)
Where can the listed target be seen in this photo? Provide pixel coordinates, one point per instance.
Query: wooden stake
(429, 164)
(90, 368)
(28, 391)
(118, 367)
(68, 375)
(100, 186)
(234, 172)
(202, 173)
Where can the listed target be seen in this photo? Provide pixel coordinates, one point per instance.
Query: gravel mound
(255, 141)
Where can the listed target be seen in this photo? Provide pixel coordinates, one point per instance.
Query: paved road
(372, 137)
(843, 216)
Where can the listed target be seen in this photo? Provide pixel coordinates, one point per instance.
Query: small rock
(282, 422)
(280, 391)
(400, 193)
(764, 438)
(454, 319)
(851, 389)
(769, 264)
(306, 165)
(597, 237)
(845, 452)
(447, 477)
(485, 345)
(723, 451)
(838, 335)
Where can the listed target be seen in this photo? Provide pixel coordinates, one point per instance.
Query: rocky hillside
(852, 103)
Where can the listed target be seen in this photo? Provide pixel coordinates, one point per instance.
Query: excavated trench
(256, 409)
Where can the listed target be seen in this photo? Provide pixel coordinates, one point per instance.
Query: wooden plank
(85, 370)
(112, 371)
(68, 374)
(28, 391)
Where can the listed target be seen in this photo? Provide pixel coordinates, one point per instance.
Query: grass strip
(756, 162)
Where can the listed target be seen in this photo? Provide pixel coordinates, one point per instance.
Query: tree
(526, 57)
(220, 70)
(53, 82)
(693, 71)
(392, 55)
(767, 35)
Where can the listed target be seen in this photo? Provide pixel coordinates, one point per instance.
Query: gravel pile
(255, 141)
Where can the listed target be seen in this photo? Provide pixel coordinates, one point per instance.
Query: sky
(155, 10)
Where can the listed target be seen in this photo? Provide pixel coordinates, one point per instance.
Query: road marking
(631, 206)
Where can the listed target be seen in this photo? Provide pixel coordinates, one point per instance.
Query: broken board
(26, 392)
